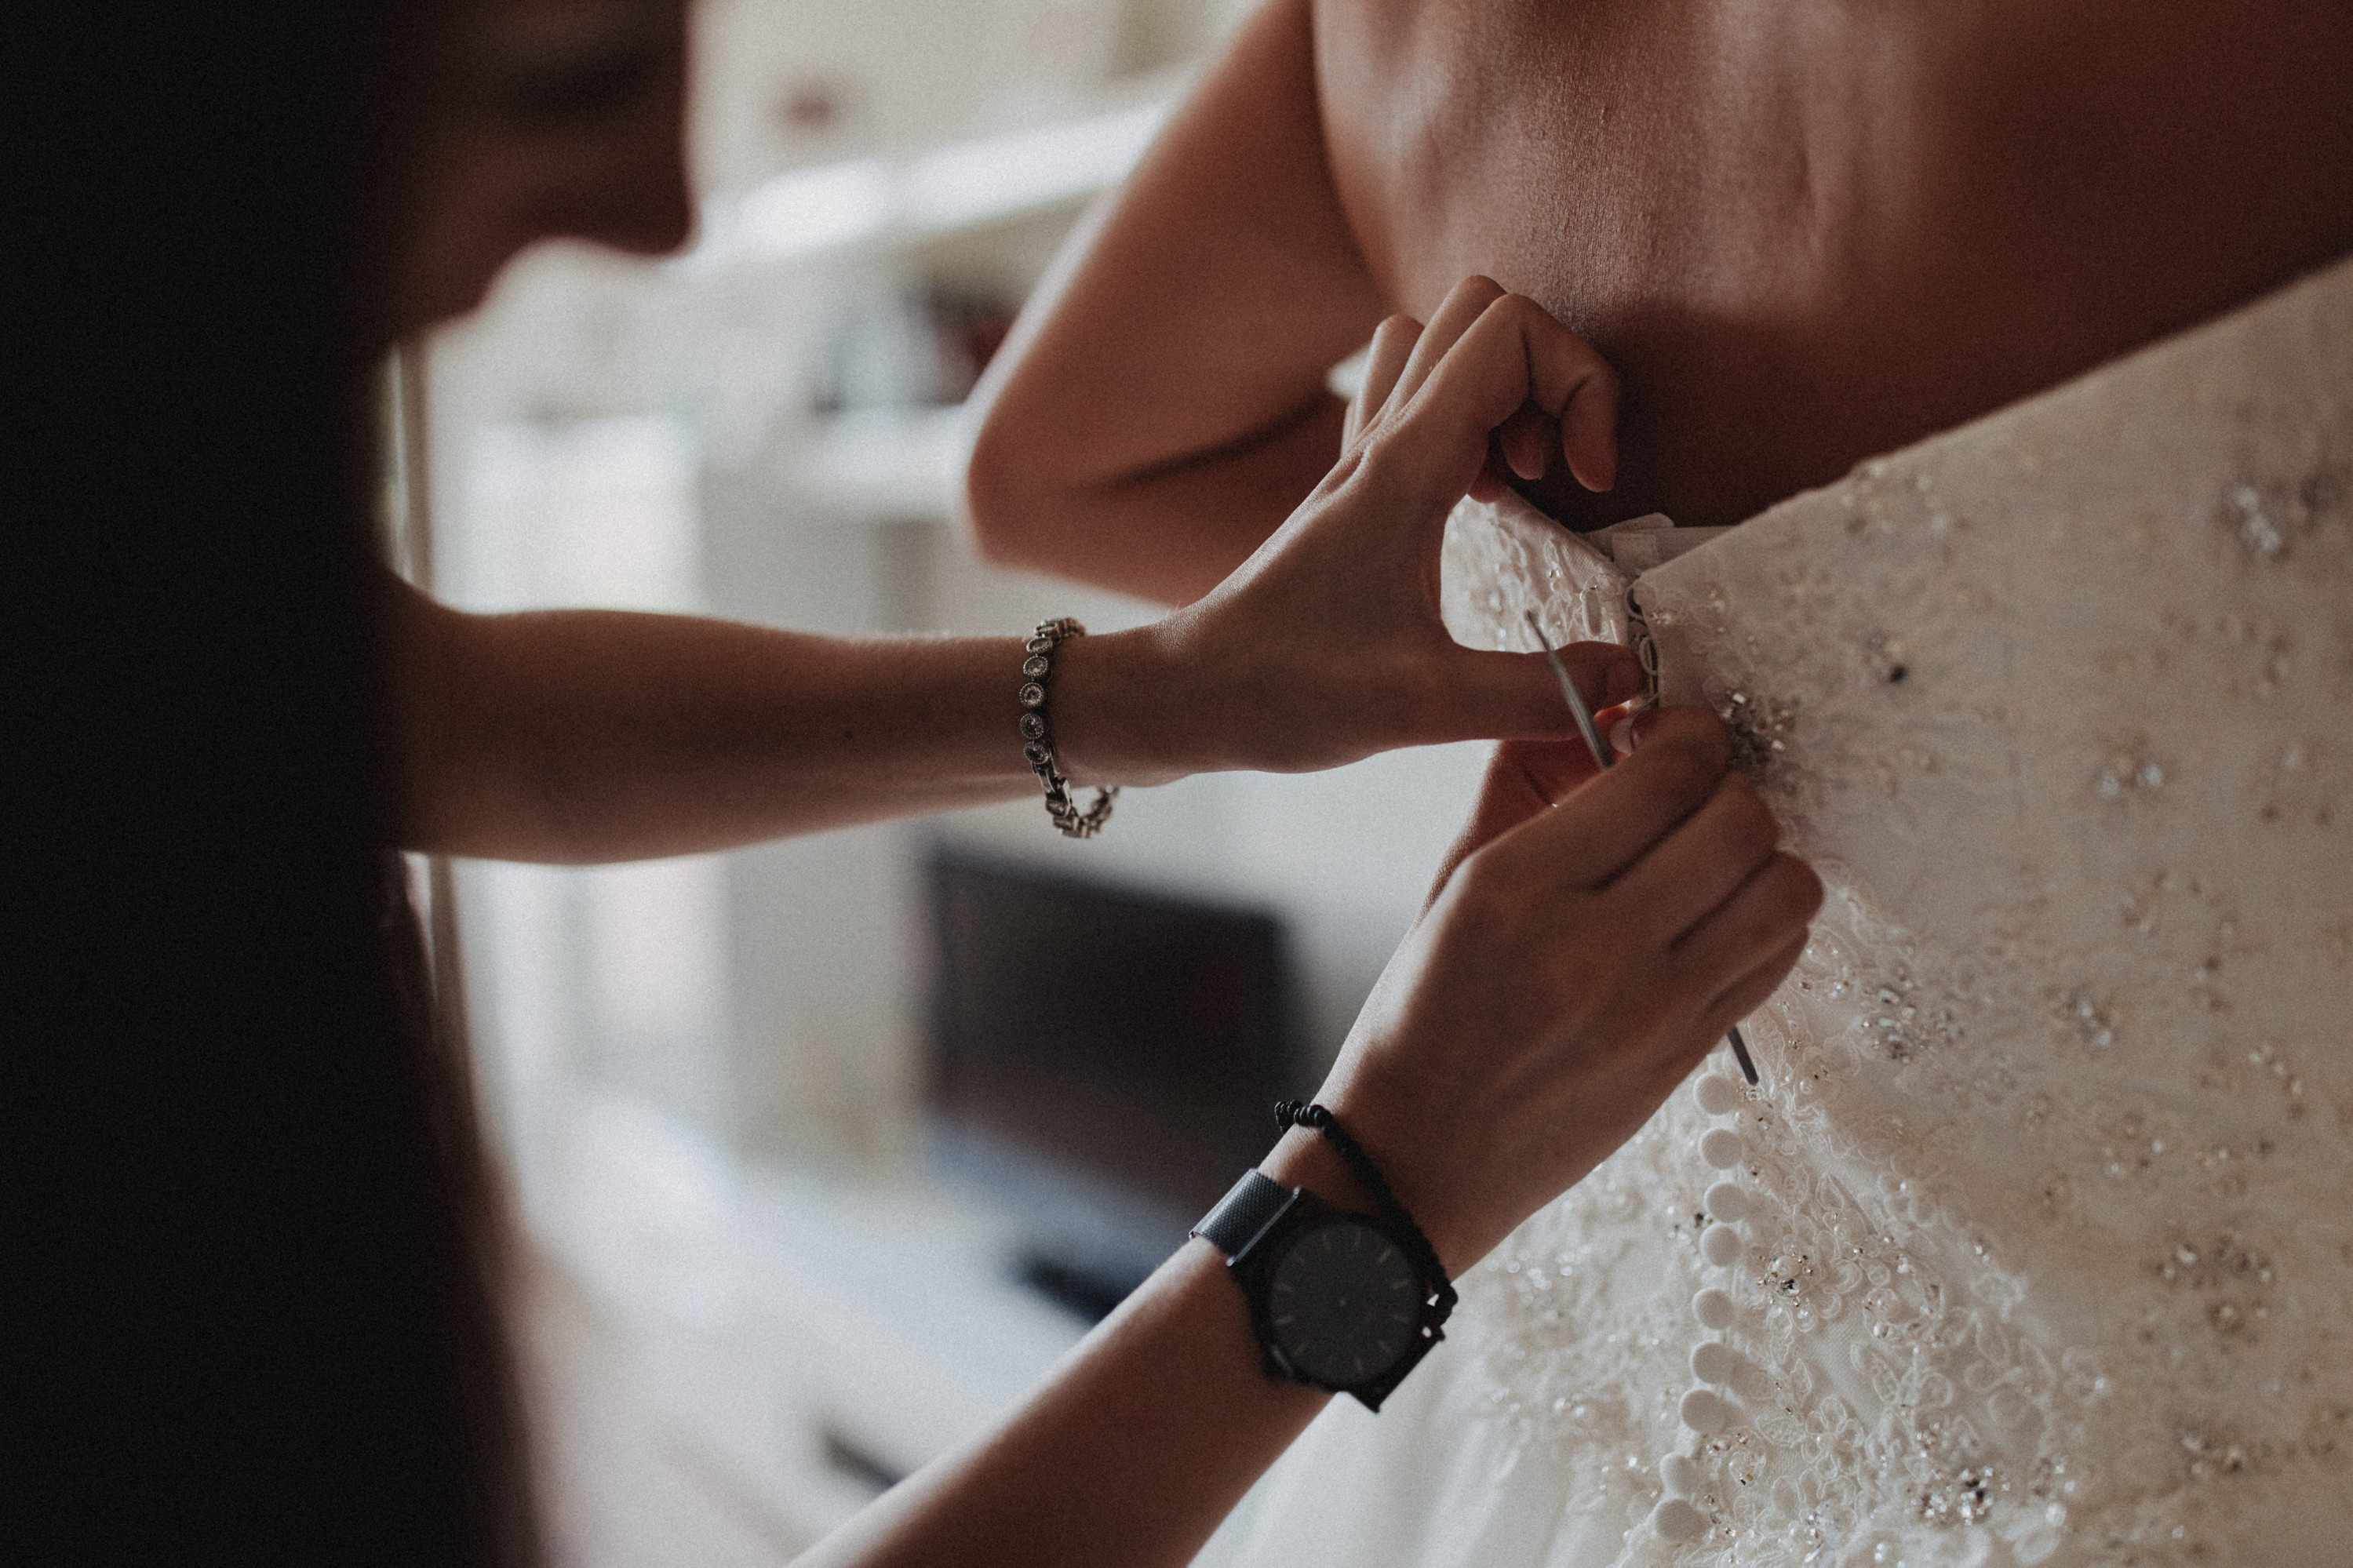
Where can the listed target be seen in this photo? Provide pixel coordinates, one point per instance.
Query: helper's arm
(1162, 406)
(592, 735)
(578, 735)
(1567, 975)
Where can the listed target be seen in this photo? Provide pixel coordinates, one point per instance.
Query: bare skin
(1574, 964)
(1802, 231)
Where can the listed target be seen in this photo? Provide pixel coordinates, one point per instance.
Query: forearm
(1135, 1448)
(1593, 937)
(1161, 405)
(1169, 531)
(587, 735)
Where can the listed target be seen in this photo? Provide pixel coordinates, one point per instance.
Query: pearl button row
(1704, 1410)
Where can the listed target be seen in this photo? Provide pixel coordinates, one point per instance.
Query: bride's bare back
(1810, 230)
(1804, 231)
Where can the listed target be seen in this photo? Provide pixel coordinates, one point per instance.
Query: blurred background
(826, 1149)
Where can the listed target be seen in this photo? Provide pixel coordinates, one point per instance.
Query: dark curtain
(238, 1317)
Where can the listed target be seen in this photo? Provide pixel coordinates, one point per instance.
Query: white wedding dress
(2035, 1245)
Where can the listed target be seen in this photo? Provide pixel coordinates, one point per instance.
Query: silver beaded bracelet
(1038, 746)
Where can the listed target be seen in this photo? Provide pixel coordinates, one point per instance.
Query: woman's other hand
(1326, 645)
(1575, 962)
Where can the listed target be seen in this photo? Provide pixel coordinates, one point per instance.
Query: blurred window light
(652, 944)
(595, 512)
(1346, 379)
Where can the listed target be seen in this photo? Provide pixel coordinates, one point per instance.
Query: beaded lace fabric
(2035, 1244)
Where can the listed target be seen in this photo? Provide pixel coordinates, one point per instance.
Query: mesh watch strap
(1242, 1213)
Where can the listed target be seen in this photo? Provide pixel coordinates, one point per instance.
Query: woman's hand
(1326, 645)
(1575, 963)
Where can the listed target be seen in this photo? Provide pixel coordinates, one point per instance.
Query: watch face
(1343, 1303)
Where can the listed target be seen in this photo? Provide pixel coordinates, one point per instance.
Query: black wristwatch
(1335, 1298)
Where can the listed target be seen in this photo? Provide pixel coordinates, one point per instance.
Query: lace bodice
(2035, 1244)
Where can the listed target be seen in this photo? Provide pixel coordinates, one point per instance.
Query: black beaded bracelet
(1038, 744)
(1294, 1113)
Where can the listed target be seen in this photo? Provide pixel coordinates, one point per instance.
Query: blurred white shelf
(904, 201)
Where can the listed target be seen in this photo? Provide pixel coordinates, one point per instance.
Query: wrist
(1302, 1158)
(1347, 1297)
(1305, 1158)
(1120, 713)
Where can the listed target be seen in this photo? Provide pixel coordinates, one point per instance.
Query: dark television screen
(1140, 1039)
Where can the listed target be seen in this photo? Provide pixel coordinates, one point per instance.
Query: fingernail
(1623, 682)
(1621, 736)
